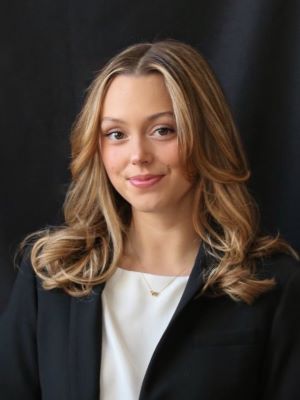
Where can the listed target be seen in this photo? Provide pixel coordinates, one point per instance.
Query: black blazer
(212, 349)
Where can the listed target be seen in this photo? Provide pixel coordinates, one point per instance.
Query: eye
(164, 131)
(115, 135)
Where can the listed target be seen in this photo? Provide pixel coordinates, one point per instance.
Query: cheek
(170, 155)
(111, 169)
(110, 160)
(171, 159)
(111, 166)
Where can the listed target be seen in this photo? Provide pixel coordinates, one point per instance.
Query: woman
(160, 284)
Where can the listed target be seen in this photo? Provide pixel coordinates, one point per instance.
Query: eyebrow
(149, 118)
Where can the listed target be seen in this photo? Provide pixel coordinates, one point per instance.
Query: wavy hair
(86, 249)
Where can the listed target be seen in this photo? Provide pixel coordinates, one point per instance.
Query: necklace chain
(156, 293)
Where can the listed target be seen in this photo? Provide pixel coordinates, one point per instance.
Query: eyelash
(164, 128)
(110, 134)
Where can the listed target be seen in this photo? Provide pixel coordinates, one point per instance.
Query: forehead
(136, 93)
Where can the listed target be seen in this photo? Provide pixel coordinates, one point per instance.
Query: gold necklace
(156, 293)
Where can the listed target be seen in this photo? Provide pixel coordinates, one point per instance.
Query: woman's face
(139, 147)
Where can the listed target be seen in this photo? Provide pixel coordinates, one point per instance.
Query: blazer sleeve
(283, 359)
(18, 340)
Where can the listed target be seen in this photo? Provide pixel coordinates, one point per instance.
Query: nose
(140, 151)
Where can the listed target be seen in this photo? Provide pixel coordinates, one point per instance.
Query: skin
(138, 138)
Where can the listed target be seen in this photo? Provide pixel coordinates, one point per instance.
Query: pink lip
(145, 181)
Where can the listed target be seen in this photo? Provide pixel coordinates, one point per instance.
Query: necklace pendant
(154, 293)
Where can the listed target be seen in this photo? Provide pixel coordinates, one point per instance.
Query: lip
(145, 181)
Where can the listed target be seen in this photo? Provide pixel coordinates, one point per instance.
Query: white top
(133, 323)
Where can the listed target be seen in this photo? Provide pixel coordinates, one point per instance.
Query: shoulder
(284, 298)
(26, 287)
(282, 350)
(282, 267)
(23, 263)
(22, 300)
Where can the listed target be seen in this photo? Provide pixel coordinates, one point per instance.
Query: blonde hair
(85, 251)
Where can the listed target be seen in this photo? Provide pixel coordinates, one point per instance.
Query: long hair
(86, 249)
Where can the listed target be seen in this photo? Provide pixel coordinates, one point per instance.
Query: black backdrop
(52, 50)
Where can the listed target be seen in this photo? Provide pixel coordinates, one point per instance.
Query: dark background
(51, 50)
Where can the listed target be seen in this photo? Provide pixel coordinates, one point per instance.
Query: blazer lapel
(194, 283)
(195, 280)
(85, 346)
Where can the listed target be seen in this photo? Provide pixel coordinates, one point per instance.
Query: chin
(147, 208)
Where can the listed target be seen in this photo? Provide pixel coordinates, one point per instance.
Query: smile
(145, 181)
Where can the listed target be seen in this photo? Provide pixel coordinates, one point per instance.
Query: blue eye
(115, 135)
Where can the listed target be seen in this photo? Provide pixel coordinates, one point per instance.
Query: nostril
(140, 161)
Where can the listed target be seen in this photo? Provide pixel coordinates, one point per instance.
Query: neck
(161, 244)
